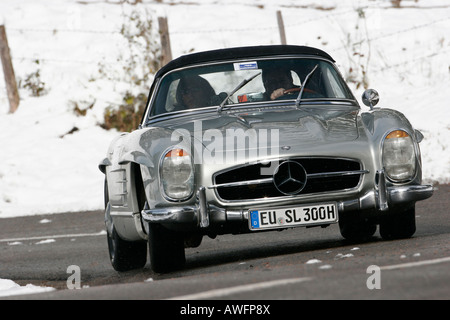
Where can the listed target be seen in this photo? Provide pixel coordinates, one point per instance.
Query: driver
(276, 81)
(194, 92)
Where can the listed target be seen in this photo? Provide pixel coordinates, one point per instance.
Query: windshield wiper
(239, 86)
(297, 102)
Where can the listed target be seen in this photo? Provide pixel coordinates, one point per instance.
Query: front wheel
(166, 248)
(126, 255)
(400, 224)
(356, 229)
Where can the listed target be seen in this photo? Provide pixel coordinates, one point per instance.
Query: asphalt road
(314, 263)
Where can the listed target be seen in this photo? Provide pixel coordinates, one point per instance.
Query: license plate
(286, 217)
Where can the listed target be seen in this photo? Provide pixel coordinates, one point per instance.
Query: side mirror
(370, 98)
(419, 135)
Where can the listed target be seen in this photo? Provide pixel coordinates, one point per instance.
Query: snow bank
(10, 288)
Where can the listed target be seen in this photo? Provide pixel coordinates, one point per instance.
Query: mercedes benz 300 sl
(252, 139)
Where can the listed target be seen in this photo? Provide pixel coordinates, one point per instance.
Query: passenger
(194, 92)
(276, 81)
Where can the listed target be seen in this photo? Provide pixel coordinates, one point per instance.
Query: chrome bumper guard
(203, 214)
(200, 214)
(383, 197)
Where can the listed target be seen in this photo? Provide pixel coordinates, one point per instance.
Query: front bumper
(203, 214)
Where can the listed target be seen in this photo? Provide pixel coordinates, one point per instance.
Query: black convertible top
(240, 52)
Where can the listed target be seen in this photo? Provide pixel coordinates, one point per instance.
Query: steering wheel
(293, 90)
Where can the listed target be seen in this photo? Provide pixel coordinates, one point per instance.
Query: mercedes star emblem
(290, 177)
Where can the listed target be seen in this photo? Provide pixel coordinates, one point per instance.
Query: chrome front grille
(317, 175)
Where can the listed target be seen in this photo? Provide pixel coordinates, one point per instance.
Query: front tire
(124, 255)
(356, 229)
(399, 224)
(166, 249)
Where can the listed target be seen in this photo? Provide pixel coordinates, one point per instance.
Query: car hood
(293, 127)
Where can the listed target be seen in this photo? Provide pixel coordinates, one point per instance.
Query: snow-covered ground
(10, 288)
(79, 51)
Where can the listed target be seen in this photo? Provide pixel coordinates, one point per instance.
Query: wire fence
(290, 27)
(185, 32)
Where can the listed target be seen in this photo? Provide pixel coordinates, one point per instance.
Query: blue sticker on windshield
(250, 65)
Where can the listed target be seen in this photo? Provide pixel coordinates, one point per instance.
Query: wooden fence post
(281, 27)
(10, 78)
(165, 41)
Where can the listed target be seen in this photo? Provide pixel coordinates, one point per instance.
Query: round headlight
(177, 174)
(399, 157)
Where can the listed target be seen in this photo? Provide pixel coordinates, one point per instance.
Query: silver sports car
(253, 139)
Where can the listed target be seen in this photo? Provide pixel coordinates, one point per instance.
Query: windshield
(279, 79)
